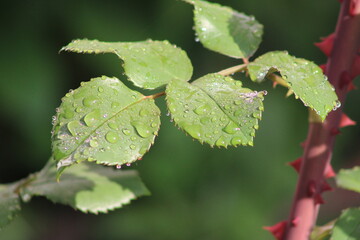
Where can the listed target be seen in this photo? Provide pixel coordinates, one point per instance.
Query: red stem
(321, 136)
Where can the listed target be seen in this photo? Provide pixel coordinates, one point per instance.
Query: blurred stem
(232, 70)
(320, 140)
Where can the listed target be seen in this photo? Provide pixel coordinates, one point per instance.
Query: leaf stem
(321, 136)
(156, 95)
(232, 70)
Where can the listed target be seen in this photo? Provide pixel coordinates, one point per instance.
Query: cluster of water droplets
(221, 120)
(101, 128)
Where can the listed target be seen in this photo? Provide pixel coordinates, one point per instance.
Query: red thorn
(352, 8)
(326, 45)
(323, 67)
(318, 199)
(325, 186)
(296, 164)
(335, 131)
(295, 221)
(277, 230)
(345, 79)
(275, 84)
(351, 87)
(346, 121)
(311, 188)
(329, 171)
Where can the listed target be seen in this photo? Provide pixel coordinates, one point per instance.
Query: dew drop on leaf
(73, 126)
(141, 129)
(89, 101)
(231, 128)
(126, 131)
(91, 119)
(112, 137)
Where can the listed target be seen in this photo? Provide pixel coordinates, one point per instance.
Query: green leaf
(303, 77)
(104, 121)
(349, 179)
(347, 227)
(88, 187)
(9, 204)
(216, 110)
(223, 30)
(148, 64)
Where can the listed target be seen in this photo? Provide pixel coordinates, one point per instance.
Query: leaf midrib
(101, 124)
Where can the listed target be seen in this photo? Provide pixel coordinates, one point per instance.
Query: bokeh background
(197, 192)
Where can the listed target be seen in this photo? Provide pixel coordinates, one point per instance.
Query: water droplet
(68, 114)
(115, 104)
(133, 138)
(126, 131)
(220, 142)
(73, 127)
(54, 118)
(141, 129)
(227, 107)
(202, 109)
(205, 120)
(213, 119)
(92, 118)
(193, 130)
(113, 125)
(337, 104)
(100, 89)
(112, 137)
(236, 141)
(143, 112)
(93, 143)
(256, 126)
(231, 128)
(251, 143)
(132, 146)
(90, 101)
(154, 124)
(78, 109)
(237, 102)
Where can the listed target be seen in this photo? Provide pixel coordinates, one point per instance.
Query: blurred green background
(197, 192)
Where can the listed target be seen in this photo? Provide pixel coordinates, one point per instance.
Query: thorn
(277, 230)
(352, 8)
(325, 186)
(326, 44)
(296, 164)
(329, 171)
(323, 67)
(346, 121)
(318, 199)
(275, 84)
(295, 221)
(351, 87)
(311, 189)
(345, 79)
(335, 131)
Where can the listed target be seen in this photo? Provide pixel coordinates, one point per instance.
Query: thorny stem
(320, 141)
